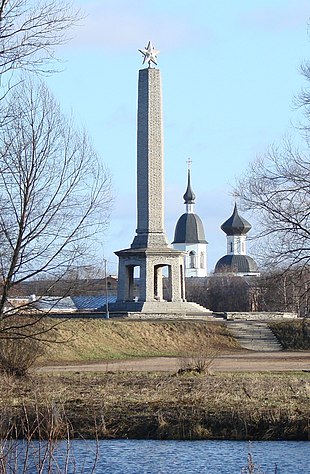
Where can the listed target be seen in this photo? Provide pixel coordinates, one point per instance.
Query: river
(160, 457)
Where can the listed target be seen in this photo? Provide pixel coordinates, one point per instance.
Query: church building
(189, 236)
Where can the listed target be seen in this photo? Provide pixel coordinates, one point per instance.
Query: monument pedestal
(152, 282)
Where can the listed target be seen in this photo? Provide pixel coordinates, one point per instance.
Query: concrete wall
(259, 316)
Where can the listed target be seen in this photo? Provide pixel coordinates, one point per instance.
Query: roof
(92, 302)
(189, 229)
(54, 303)
(237, 264)
(236, 225)
(73, 303)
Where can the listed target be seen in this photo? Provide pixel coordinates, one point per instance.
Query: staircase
(195, 307)
(255, 336)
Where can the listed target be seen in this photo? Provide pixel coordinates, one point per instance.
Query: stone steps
(255, 336)
(197, 307)
(158, 309)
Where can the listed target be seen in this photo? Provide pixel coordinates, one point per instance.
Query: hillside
(80, 339)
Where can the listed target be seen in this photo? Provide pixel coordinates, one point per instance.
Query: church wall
(193, 263)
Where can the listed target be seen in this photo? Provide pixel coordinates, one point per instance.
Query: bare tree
(285, 291)
(30, 31)
(302, 100)
(221, 292)
(55, 196)
(276, 189)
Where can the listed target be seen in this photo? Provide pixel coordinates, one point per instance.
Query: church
(236, 260)
(189, 236)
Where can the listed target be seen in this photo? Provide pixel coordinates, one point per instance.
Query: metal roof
(54, 303)
(189, 229)
(236, 225)
(92, 302)
(73, 303)
(237, 264)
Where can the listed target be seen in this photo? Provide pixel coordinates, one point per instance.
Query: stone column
(150, 163)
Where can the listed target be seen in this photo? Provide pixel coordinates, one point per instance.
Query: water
(161, 457)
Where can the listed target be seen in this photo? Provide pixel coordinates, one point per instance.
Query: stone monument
(158, 268)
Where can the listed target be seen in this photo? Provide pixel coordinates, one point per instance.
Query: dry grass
(293, 335)
(164, 406)
(108, 339)
(233, 406)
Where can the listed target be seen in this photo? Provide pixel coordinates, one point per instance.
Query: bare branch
(30, 32)
(276, 188)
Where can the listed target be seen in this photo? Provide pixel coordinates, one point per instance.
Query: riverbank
(158, 406)
(96, 384)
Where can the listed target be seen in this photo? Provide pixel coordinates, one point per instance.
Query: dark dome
(237, 264)
(189, 229)
(236, 225)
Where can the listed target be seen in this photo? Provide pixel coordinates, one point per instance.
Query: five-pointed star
(149, 54)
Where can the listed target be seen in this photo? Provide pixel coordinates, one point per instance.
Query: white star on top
(149, 54)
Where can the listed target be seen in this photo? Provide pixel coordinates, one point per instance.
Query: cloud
(119, 25)
(278, 18)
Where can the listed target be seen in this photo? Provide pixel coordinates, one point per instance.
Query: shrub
(18, 355)
(198, 362)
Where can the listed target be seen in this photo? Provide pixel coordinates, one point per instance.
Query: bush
(197, 362)
(18, 355)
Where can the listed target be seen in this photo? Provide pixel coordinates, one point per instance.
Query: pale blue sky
(230, 70)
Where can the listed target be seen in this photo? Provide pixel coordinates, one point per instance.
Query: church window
(192, 259)
(202, 260)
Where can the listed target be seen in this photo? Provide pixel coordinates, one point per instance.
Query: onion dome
(236, 264)
(189, 229)
(189, 196)
(236, 225)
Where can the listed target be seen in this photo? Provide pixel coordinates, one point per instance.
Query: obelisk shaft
(150, 163)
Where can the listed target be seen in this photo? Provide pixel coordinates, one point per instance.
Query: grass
(153, 405)
(166, 406)
(293, 335)
(107, 339)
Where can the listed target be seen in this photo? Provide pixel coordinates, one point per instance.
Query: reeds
(39, 441)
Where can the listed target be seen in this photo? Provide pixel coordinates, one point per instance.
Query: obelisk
(150, 251)
(150, 162)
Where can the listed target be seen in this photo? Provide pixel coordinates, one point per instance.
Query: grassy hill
(80, 339)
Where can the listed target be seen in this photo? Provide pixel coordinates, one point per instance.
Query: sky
(230, 72)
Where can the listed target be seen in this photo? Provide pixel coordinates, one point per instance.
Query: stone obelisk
(150, 162)
(150, 251)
